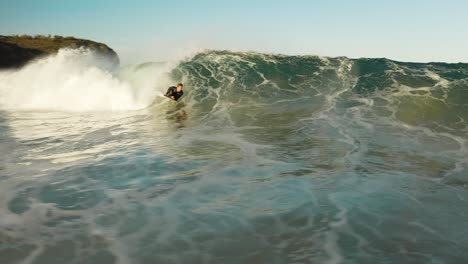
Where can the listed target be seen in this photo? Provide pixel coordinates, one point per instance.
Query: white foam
(72, 80)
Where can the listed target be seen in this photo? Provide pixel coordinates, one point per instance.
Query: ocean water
(266, 159)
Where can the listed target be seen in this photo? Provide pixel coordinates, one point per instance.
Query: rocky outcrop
(15, 51)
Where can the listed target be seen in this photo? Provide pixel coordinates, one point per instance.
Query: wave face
(267, 159)
(431, 95)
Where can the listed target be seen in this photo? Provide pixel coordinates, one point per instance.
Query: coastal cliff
(16, 51)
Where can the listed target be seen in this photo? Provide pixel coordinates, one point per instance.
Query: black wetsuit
(172, 91)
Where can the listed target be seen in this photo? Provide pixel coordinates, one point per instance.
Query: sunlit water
(267, 159)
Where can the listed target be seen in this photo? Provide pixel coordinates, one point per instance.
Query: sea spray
(76, 80)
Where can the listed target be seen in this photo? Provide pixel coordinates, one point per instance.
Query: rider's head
(179, 87)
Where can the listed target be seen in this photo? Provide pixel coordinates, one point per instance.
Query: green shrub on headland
(17, 50)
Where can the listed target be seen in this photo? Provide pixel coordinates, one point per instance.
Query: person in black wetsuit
(175, 92)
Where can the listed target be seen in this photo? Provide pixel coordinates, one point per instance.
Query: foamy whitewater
(266, 159)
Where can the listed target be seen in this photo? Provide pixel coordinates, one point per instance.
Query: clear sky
(144, 30)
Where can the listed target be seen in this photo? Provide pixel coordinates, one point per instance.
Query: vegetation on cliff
(16, 50)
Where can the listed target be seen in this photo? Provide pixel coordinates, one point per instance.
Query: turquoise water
(267, 159)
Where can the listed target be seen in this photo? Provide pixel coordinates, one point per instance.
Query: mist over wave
(77, 80)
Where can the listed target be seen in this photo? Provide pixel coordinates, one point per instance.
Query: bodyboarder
(175, 92)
